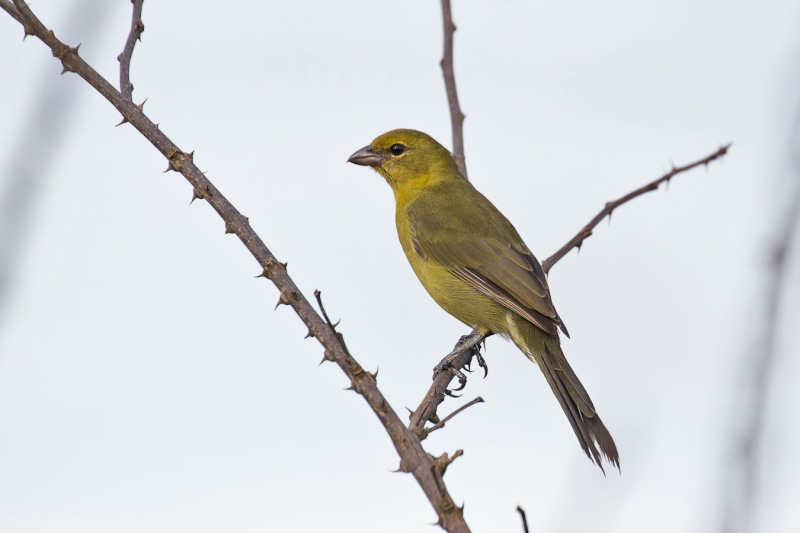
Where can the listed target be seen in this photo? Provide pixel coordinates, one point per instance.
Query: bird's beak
(366, 158)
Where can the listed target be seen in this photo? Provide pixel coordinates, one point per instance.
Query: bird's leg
(466, 343)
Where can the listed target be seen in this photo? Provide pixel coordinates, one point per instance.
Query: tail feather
(545, 350)
(578, 407)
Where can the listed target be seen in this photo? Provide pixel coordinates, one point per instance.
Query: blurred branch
(586, 232)
(36, 146)
(456, 116)
(137, 27)
(427, 470)
(742, 485)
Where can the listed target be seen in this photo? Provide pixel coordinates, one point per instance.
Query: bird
(474, 264)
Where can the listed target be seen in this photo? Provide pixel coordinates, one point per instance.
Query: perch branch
(586, 232)
(435, 396)
(137, 27)
(426, 469)
(456, 116)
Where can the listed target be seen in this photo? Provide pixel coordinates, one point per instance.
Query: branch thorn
(328, 356)
(282, 300)
(196, 194)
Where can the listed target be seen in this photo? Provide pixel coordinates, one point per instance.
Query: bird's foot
(468, 343)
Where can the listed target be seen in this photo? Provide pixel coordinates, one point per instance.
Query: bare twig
(426, 470)
(137, 27)
(586, 232)
(521, 512)
(456, 116)
(440, 425)
(327, 357)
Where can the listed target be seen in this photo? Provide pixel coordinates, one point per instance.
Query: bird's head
(408, 157)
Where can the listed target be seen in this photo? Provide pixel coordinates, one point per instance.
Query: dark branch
(440, 425)
(137, 27)
(414, 459)
(521, 512)
(586, 232)
(456, 116)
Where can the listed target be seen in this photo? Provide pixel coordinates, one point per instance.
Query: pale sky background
(146, 385)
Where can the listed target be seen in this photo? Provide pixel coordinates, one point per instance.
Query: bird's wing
(504, 269)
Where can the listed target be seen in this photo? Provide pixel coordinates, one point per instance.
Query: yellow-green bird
(475, 265)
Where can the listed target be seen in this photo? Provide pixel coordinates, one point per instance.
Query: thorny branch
(456, 116)
(586, 232)
(427, 470)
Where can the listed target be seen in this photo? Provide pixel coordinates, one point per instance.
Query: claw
(482, 363)
(467, 342)
(462, 379)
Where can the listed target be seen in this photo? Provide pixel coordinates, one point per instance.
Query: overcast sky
(147, 385)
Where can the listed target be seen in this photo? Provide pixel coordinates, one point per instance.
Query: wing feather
(506, 272)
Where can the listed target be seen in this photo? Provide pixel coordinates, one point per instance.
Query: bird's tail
(545, 350)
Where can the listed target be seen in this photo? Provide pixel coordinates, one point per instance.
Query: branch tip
(577, 240)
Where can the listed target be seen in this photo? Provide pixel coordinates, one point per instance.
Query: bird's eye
(397, 149)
